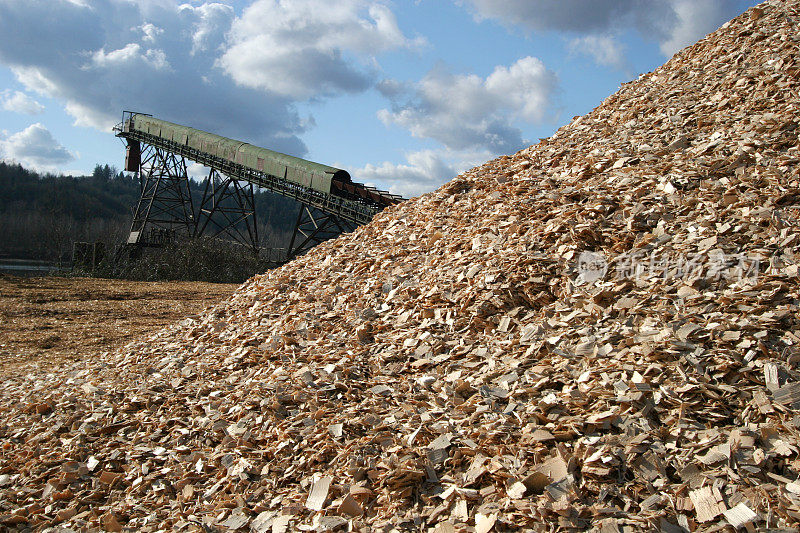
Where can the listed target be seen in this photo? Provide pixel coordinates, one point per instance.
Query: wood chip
(484, 523)
(319, 493)
(350, 506)
(599, 331)
(707, 503)
(740, 515)
(789, 394)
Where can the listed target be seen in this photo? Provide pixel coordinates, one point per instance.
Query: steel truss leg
(228, 207)
(165, 206)
(313, 227)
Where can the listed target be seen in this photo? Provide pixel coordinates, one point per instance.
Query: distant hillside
(42, 215)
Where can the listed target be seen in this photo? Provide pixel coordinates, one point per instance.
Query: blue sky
(403, 94)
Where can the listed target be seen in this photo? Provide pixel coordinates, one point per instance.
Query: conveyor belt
(354, 202)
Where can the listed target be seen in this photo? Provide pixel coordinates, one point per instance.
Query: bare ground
(47, 320)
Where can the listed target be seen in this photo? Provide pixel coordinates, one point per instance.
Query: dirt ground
(47, 320)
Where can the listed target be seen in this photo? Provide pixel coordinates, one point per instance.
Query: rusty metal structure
(158, 151)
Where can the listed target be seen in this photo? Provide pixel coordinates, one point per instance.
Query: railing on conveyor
(358, 203)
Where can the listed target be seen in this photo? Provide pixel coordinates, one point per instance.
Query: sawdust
(45, 321)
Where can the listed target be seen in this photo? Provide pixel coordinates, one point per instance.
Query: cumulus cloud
(90, 117)
(150, 32)
(696, 19)
(604, 49)
(467, 112)
(35, 80)
(208, 19)
(673, 24)
(19, 102)
(423, 171)
(197, 63)
(35, 147)
(131, 55)
(474, 118)
(306, 48)
(101, 59)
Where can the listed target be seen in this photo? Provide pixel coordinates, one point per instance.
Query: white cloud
(157, 59)
(195, 62)
(150, 32)
(305, 48)
(467, 112)
(696, 19)
(130, 55)
(35, 80)
(423, 171)
(673, 24)
(210, 23)
(110, 57)
(35, 147)
(474, 118)
(90, 117)
(525, 88)
(19, 102)
(197, 171)
(604, 49)
(125, 55)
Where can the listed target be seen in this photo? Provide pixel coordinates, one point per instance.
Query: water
(24, 267)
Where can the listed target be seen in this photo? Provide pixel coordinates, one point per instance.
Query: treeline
(42, 215)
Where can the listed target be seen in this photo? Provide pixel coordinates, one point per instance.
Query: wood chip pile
(600, 331)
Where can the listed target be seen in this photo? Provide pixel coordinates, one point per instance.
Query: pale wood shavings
(740, 516)
(319, 493)
(707, 503)
(599, 331)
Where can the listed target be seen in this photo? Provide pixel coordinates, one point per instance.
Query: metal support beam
(228, 206)
(166, 209)
(313, 227)
(165, 206)
(158, 150)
